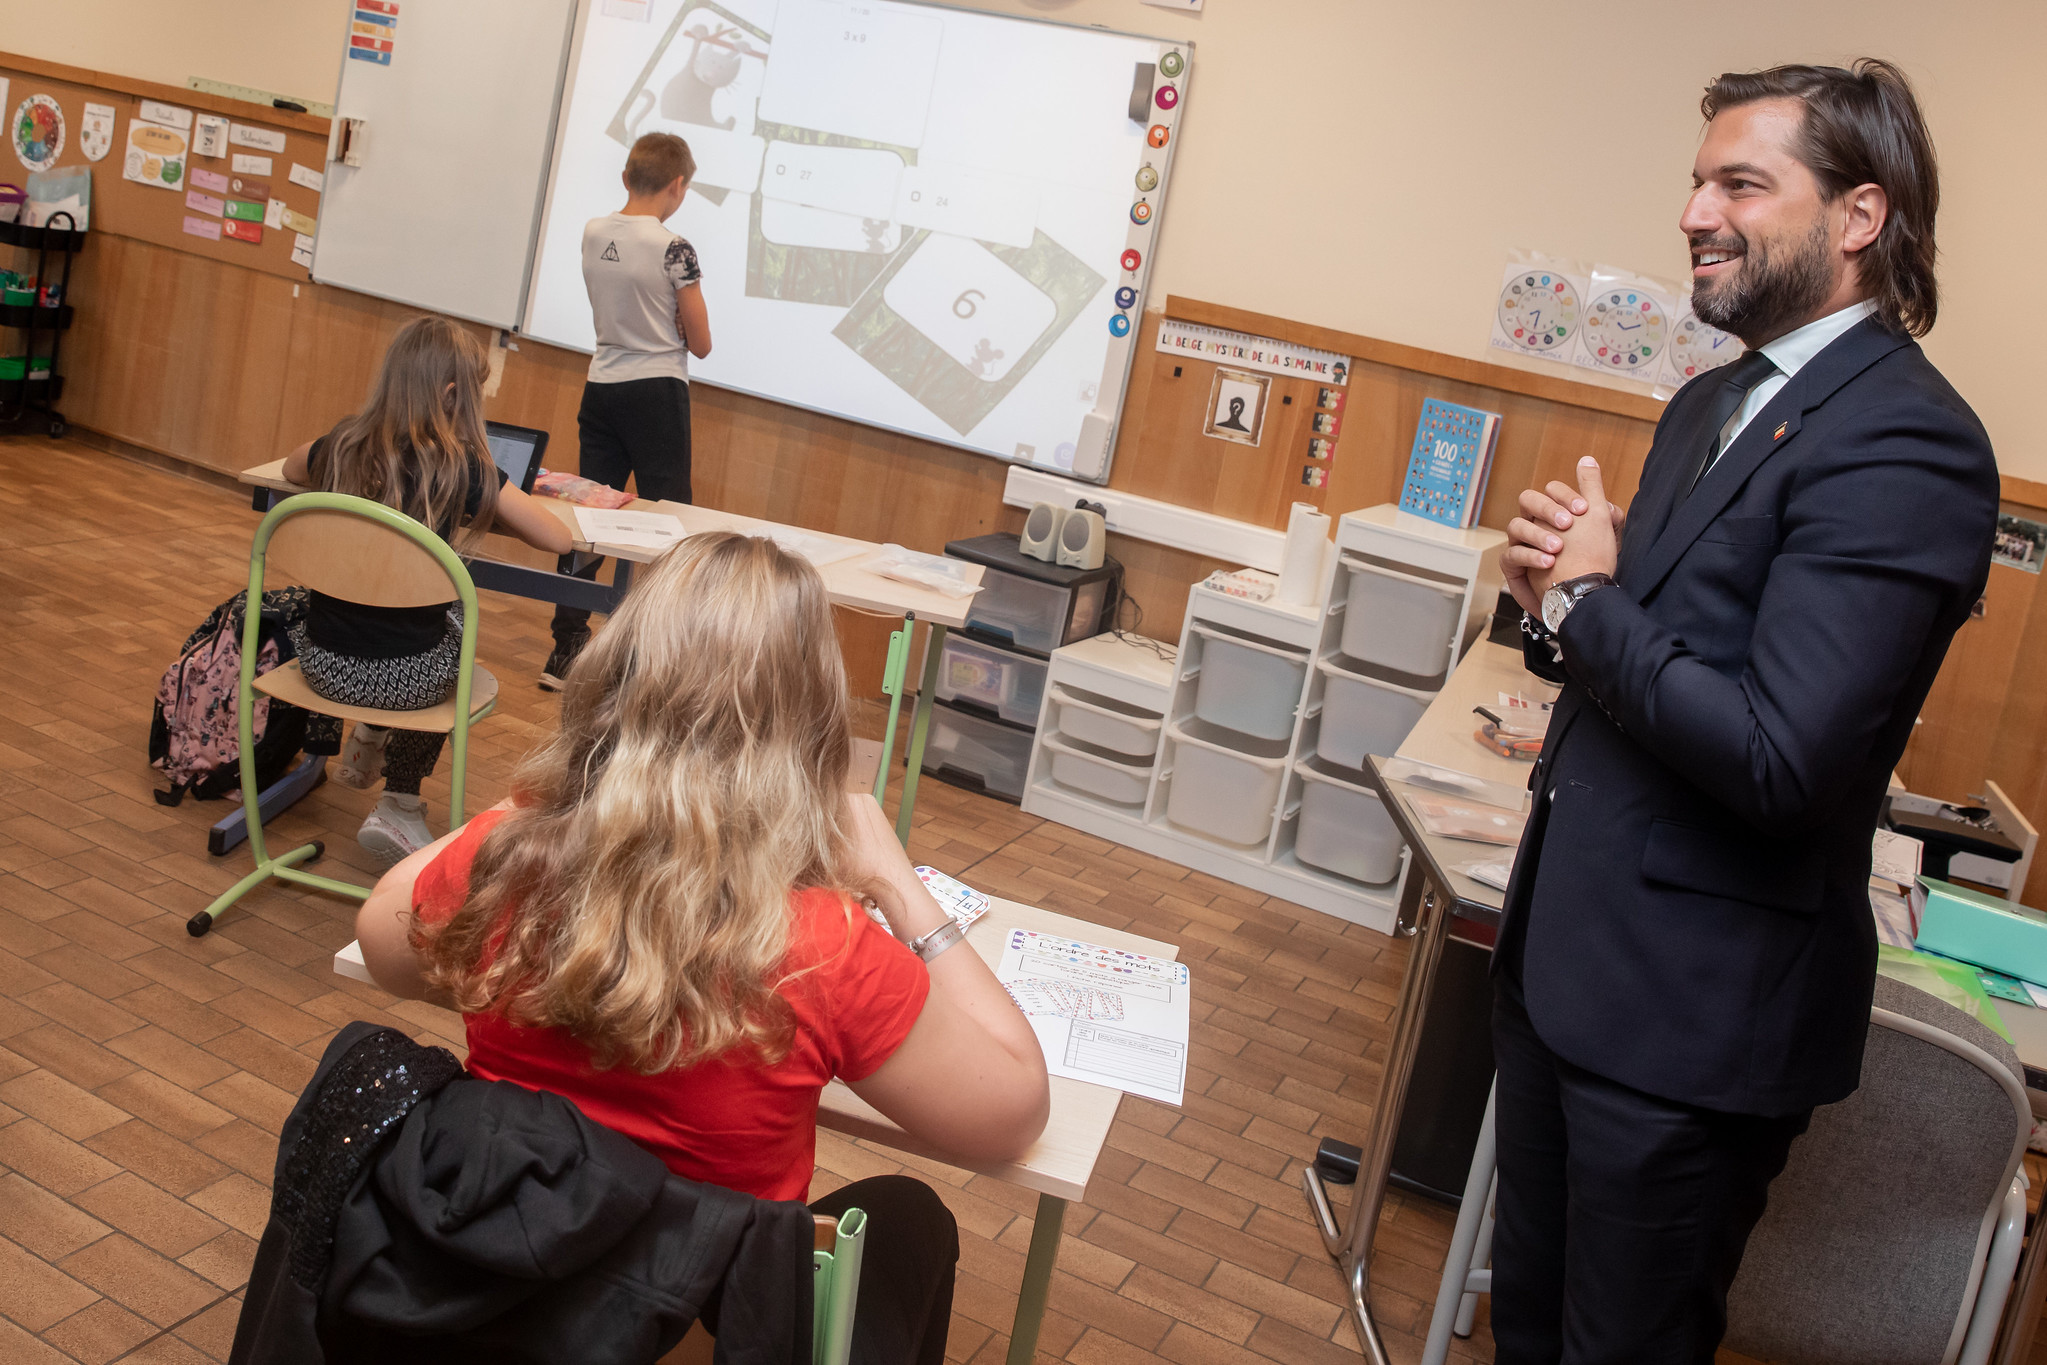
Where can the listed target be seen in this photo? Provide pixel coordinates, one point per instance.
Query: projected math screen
(909, 215)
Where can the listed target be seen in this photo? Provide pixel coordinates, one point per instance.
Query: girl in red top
(664, 925)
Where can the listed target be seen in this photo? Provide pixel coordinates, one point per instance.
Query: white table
(1057, 1166)
(850, 582)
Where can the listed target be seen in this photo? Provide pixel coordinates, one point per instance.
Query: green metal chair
(359, 551)
(835, 1290)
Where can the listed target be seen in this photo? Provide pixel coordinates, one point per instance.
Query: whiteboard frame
(579, 21)
(550, 141)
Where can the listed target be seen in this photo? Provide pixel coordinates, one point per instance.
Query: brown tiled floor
(144, 1073)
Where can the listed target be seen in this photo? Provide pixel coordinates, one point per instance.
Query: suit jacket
(1689, 912)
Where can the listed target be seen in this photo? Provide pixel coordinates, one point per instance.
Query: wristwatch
(938, 940)
(1561, 597)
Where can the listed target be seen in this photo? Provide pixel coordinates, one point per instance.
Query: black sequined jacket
(422, 1215)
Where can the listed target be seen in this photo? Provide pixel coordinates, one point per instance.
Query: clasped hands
(1562, 533)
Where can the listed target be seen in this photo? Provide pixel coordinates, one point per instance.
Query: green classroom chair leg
(920, 728)
(892, 688)
(1037, 1279)
(287, 867)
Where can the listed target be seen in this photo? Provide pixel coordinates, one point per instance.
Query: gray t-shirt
(632, 267)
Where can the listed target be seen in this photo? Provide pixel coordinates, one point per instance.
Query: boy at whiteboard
(648, 300)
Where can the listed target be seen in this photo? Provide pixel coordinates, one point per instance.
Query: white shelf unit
(1403, 565)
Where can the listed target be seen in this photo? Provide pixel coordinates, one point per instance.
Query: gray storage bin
(1011, 685)
(1098, 772)
(975, 752)
(1363, 716)
(1221, 790)
(1400, 621)
(1250, 686)
(1105, 722)
(1344, 829)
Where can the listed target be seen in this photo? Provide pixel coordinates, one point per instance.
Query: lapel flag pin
(1778, 434)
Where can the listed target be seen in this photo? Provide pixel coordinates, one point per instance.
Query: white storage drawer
(1011, 685)
(1105, 722)
(1226, 792)
(1363, 716)
(1098, 772)
(1401, 621)
(973, 751)
(1344, 829)
(1248, 685)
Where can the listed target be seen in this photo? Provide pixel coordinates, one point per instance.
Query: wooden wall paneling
(1950, 751)
(2018, 757)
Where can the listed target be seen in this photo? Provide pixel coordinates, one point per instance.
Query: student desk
(1057, 1166)
(1433, 895)
(848, 581)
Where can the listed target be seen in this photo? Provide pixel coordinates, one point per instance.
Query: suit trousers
(1622, 1217)
(638, 428)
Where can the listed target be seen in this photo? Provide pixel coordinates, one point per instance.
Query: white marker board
(934, 220)
(458, 102)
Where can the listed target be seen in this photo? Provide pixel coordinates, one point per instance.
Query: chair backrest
(1872, 1247)
(361, 551)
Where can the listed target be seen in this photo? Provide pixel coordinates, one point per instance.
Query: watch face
(1539, 311)
(1625, 330)
(1696, 348)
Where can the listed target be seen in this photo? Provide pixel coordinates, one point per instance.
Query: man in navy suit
(1687, 959)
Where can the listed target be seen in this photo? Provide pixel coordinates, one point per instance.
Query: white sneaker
(362, 759)
(390, 835)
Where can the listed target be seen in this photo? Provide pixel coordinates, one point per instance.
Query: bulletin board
(128, 209)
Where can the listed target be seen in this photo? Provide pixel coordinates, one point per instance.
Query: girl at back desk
(417, 446)
(664, 925)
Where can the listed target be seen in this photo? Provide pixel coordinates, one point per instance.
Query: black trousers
(1622, 1217)
(906, 1274)
(639, 428)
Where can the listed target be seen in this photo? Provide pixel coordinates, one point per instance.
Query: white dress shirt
(1790, 353)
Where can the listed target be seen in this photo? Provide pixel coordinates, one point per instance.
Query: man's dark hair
(1863, 126)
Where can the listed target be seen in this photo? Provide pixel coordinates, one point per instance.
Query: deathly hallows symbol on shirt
(610, 252)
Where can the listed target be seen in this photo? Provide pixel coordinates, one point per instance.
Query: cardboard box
(1983, 929)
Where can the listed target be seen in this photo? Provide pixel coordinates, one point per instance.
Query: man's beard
(1765, 296)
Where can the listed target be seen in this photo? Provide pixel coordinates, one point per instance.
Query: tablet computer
(517, 451)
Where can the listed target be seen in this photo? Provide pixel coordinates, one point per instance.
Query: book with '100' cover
(1450, 463)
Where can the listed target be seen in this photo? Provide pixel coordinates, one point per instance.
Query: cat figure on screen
(1450, 463)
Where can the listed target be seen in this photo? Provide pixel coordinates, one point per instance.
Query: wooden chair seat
(288, 684)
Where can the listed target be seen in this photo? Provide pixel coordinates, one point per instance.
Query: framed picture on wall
(1236, 406)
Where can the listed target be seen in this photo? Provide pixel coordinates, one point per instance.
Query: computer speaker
(1040, 538)
(1083, 538)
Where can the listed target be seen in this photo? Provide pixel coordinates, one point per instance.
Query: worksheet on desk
(1102, 1015)
(636, 530)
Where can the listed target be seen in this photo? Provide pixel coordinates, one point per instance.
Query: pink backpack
(194, 735)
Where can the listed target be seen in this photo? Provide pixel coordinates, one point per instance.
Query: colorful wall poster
(38, 132)
(156, 155)
(96, 131)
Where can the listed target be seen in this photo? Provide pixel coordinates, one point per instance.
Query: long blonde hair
(638, 895)
(418, 445)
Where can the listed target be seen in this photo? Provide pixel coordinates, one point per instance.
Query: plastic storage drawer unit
(1028, 603)
(1084, 768)
(975, 752)
(1011, 685)
(1344, 829)
(1398, 620)
(1105, 722)
(1362, 716)
(1248, 685)
(1222, 791)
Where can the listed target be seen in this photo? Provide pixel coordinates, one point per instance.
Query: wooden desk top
(849, 581)
(1064, 1156)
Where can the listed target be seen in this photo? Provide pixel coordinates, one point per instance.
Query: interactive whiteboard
(933, 220)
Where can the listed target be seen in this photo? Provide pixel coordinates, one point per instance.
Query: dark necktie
(1744, 374)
